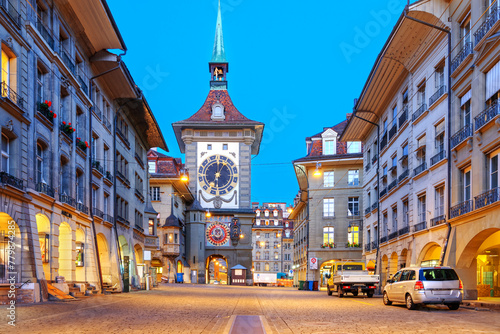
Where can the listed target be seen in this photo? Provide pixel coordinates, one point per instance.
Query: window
(384, 223)
(257, 267)
(494, 171)
(394, 219)
(406, 218)
(224, 147)
(275, 213)
(176, 238)
(39, 163)
(151, 167)
(93, 145)
(465, 110)
(151, 227)
(439, 76)
(275, 245)
(257, 213)
(155, 193)
(39, 85)
(353, 178)
(466, 184)
(368, 236)
(328, 179)
(394, 161)
(275, 266)
(421, 150)
(267, 235)
(276, 256)
(95, 194)
(257, 256)
(329, 147)
(353, 236)
(266, 213)
(421, 209)
(287, 257)
(267, 244)
(405, 150)
(353, 206)
(439, 201)
(328, 207)
(257, 234)
(328, 234)
(465, 31)
(266, 255)
(405, 99)
(353, 147)
(257, 222)
(5, 153)
(395, 115)
(421, 94)
(106, 204)
(209, 147)
(439, 142)
(6, 72)
(266, 267)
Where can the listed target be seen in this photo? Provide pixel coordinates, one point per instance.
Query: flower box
(67, 129)
(44, 109)
(82, 145)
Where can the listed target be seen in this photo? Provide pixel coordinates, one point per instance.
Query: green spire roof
(219, 55)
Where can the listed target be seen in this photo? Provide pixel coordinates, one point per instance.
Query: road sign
(313, 263)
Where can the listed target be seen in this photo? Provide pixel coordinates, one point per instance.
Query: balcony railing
(368, 210)
(488, 23)
(461, 209)
(383, 239)
(83, 85)
(420, 111)
(122, 136)
(404, 116)
(437, 220)
(487, 198)
(139, 194)
(367, 167)
(97, 111)
(98, 213)
(122, 177)
(367, 247)
(67, 60)
(68, 200)
(420, 226)
(139, 160)
(106, 123)
(440, 92)
(122, 220)
(45, 188)
(383, 192)
(374, 159)
(420, 169)
(393, 131)
(82, 208)
(461, 135)
(109, 176)
(6, 178)
(404, 175)
(139, 227)
(12, 95)
(374, 206)
(108, 218)
(11, 9)
(393, 235)
(45, 32)
(404, 230)
(392, 185)
(97, 166)
(487, 115)
(438, 157)
(460, 57)
(383, 141)
(374, 244)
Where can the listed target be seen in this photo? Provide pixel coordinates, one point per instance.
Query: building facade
(63, 118)
(434, 113)
(327, 220)
(219, 142)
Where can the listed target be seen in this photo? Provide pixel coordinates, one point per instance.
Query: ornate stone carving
(479, 138)
(469, 144)
(454, 155)
(9, 125)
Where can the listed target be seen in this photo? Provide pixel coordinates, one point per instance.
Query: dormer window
(218, 111)
(329, 142)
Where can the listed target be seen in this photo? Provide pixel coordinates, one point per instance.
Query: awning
(370, 265)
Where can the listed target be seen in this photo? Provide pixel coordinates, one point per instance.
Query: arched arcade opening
(217, 269)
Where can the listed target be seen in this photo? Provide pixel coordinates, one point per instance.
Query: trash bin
(310, 285)
(315, 286)
(180, 278)
(301, 285)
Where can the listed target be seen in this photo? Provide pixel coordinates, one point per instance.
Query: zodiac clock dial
(218, 175)
(217, 234)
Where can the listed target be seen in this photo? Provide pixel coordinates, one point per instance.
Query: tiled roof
(232, 115)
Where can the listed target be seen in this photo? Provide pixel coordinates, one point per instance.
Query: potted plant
(44, 108)
(82, 145)
(67, 128)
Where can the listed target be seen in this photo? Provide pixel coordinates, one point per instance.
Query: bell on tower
(218, 64)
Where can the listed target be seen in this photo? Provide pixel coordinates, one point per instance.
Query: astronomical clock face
(217, 234)
(218, 175)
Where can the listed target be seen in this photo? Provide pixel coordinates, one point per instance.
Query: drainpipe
(448, 32)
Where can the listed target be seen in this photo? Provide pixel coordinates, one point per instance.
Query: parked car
(424, 285)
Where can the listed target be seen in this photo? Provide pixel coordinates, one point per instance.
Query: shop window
(80, 254)
(44, 247)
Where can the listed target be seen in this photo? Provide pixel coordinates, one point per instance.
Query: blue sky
(294, 65)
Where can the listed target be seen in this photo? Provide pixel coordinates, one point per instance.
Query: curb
(480, 306)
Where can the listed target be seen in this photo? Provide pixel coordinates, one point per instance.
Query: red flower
(74, 130)
(55, 115)
(46, 102)
(69, 124)
(50, 103)
(64, 123)
(87, 144)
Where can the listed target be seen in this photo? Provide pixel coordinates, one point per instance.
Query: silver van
(424, 285)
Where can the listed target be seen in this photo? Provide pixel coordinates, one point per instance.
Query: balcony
(461, 135)
(393, 130)
(487, 198)
(170, 250)
(12, 95)
(367, 167)
(139, 227)
(106, 123)
(374, 159)
(403, 175)
(383, 192)
(420, 169)
(487, 115)
(368, 210)
(45, 32)
(383, 141)
(96, 111)
(374, 244)
(367, 247)
(67, 60)
(83, 85)
(122, 220)
(13, 181)
(123, 178)
(461, 209)
(11, 10)
(98, 213)
(460, 57)
(43, 187)
(440, 92)
(109, 176)
(374, 206)
(68, 200)
(404, 230)
(393, 235)
(139, 195)
(403, 117)
(383, 239)
(488, 23)
(108, 218)
(420, 111)
(420, 226)
(97, 166)
(438, 157)
(392, 185)
(82, 208)
(123, 137)
(438, 220)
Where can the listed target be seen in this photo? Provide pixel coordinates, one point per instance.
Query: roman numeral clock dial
(218, 175)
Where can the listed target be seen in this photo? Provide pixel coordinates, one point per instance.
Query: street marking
(357, 301)
(242, 324)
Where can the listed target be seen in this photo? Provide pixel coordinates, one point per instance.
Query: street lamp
(208, 214)
(185, 176)
(317, 171)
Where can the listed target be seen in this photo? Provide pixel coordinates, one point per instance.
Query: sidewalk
(483, 303)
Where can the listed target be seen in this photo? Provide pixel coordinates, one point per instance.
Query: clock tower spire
(218, 65)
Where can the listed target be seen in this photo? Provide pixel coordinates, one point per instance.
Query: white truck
(264, 279)
(352, 277)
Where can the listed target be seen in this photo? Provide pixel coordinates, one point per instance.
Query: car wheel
(340, 294)
(453, 306)
(386, 299)
(355, 293)
(328, 290)
(369, 294)
(409, 302)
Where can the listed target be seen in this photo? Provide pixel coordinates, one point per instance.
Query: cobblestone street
(209, 309)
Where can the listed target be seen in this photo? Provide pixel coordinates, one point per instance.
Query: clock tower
(219, 142)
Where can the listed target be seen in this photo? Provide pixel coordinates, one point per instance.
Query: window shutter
(493, 80)
(465, 98)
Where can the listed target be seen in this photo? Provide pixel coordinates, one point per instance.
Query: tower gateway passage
(219, 143)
